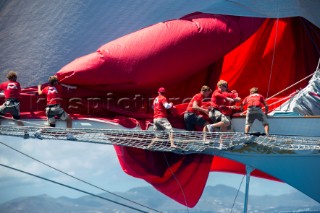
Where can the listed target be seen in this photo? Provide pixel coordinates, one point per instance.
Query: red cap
(162, 90)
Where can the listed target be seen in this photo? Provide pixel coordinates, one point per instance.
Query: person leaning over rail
(53, 108)
(11, 89)
(255, 102)
(160, 120)
(223, 103)
(193, 116)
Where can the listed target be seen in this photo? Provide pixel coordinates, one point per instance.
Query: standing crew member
(53, 109)
(12, 91)
(160, 120)
(255, 102)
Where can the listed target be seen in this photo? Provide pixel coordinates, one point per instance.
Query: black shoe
(26, 135)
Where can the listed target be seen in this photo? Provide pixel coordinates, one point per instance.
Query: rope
(273, 55)
(71, 187)
(77, 178)
(234, 201)
(290, 86)
(174, 176)
(282, 99)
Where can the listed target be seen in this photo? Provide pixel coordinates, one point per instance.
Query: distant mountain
(218, 198)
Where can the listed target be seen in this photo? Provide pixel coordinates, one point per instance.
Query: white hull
(88, 123)
(301, 171)
(283, 125)
(279, 125)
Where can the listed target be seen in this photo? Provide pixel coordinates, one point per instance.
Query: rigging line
(273, 55)
(234, 201)
(290, 86)
(83, 181)
(290, 96)
(174, 176)
(71, 187)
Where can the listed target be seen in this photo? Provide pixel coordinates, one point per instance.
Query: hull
(282, 125)
(294, 167)
(87, 123)
(299, 170)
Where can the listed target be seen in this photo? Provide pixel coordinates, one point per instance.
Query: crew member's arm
(68, 86)
(1, 90)
(265, 107)
(196, 106)
(244, 102)
(167, 105)
(39, 89)
(235, 96)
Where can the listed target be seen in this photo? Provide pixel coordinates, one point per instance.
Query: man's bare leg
(152, 142)
(69, 122)
(172, 145)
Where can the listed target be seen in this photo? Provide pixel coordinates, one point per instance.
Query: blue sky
(93, 163)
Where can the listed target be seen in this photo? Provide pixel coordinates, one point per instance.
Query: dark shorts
(11, 106)
(53, 111)
(191, 120)
(256, 113)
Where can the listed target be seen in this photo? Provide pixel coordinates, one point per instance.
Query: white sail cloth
(307, 101)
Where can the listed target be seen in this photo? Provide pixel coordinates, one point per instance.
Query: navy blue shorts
(191, 120)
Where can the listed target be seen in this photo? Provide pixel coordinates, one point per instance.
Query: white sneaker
(210, 128)
(38, 135)
(70, 137)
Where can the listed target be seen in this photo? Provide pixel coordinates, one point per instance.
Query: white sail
(307, 101)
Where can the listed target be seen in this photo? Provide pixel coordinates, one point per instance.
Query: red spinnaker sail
(182, 55)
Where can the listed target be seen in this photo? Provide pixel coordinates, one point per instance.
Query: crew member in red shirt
(255, 103)
(160, 120)
(193, 116)
(222, 101)
(53, 109)
(11, 89)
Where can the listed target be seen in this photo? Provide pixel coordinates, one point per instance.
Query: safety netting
(187, 142)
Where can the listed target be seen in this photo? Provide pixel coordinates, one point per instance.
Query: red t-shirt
(198, 98)
(220, 102)
(53, 94)
(158, 106)
(11, 89)
(254, 100)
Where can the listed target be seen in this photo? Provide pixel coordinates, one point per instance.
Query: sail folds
(306, 101)
(183, 55)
